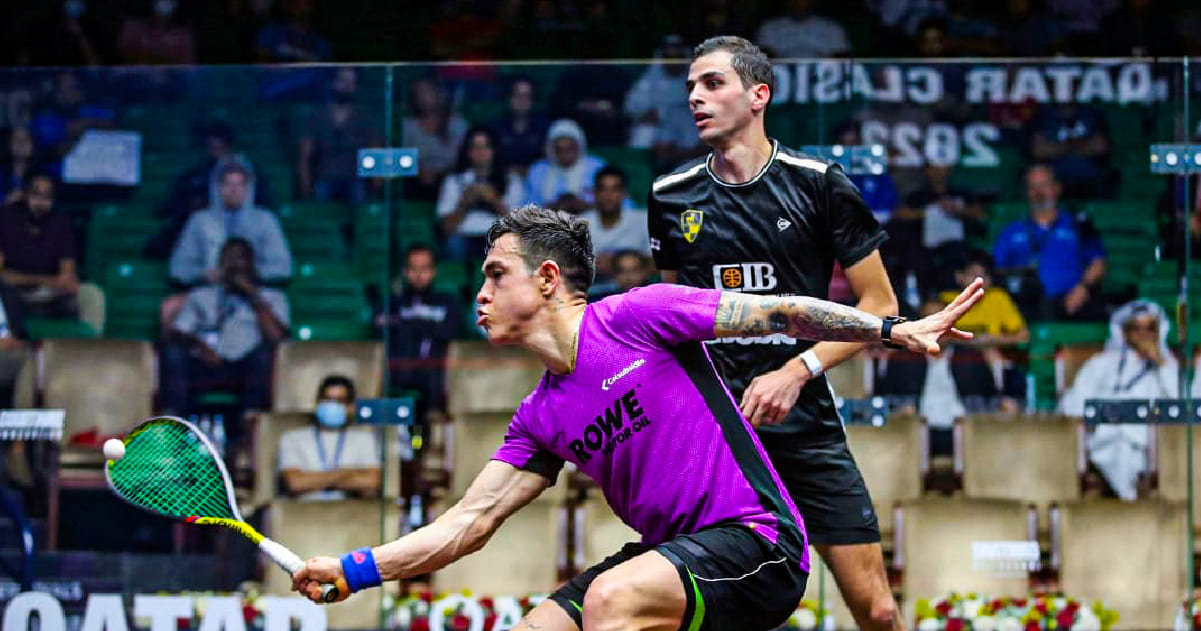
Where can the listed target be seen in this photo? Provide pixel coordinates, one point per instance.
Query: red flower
(524, 602)
(248, 613)
(1197, 621)
(1033, 625)
(420, 624)
(1019, 602)
(943, 608)
(1065, 618)
(1041, 607)
(487, 603)
(955, 624)
(998, 604)
(490, 621)
(460, 622)
(427, 596)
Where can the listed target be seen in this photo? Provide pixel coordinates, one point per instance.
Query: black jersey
(778, 234)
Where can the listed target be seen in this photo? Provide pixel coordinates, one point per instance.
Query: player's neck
(741, 159)
(554, 339)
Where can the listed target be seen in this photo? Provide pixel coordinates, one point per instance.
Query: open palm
(923, 336)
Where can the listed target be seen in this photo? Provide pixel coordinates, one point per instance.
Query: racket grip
(292, 564)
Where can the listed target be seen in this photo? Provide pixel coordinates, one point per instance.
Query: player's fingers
(960, 335)
(967, 293)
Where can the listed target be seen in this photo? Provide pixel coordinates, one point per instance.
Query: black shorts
(733, 578)
(826, 486)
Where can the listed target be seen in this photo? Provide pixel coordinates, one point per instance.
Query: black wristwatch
(886, 331)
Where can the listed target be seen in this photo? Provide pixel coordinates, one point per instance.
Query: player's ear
(549, 277)
(760, 96)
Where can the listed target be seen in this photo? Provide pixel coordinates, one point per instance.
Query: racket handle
(292, 564)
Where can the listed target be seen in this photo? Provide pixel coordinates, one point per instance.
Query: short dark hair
(547, 234)
(610, 171)
(747, 59)
(234, 167)
(238, 242)
(331, 381)
(419, 247)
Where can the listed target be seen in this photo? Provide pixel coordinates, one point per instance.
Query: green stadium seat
(314, 239)
(327, 292)
(336, 212)
(330, 330)
(135, 291)
(410, 209)
(44, 329)
(452, 277)
(114, 236)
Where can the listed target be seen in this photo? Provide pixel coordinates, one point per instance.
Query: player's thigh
(547, 616)
(858, 570)
(644, 593)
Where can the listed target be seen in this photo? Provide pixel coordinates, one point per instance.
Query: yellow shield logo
(690, 224)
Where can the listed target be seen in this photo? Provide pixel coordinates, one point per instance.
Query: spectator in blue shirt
(1066, 255)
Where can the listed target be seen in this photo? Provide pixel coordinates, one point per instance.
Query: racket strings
(167, 468)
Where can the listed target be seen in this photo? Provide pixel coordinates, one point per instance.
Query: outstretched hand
(923, 336)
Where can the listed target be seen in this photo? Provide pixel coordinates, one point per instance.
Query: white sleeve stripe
(816, 165)
(672, 180)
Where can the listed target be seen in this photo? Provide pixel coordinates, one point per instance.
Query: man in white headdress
(1136, 364)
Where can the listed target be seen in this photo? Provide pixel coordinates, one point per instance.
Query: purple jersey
(645, 415)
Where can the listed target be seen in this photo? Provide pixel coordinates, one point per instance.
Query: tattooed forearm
(795, 316)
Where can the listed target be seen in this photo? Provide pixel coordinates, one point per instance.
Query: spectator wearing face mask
(1136, 364)
(331, 459)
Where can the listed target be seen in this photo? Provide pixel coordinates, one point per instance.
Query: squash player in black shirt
(758, 217)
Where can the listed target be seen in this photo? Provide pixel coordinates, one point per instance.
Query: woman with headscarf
(1136, 364)
(563, 180)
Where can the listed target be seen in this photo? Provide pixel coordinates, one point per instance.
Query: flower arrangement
(1188, 618)
(458, 611)
(972, 612)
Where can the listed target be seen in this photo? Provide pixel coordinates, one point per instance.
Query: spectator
(59, 124)
(1065, 254)
(614, 227)
(13, 347)
(1136, 364)
(592, 95)
(1141, 28)
(195, 257)
(801, 33)
(970, 31)
(931, 38)
(159, 39)
(420, 323)
(481, 189)
(37, 252)
(290, 39)
(197, 188)
(75, 40)
(327, 159)
(1074, 140)
(995, 319)
(435, 131)
(906, 16)
(1083, 19)
(224, 339)
(563, 180)
(660, 120)
(946, 387)
(331, 460)
(631, 268)
(1027, 30)
(521, 132)
(879, 191)
(17, 162)
(1181, 198)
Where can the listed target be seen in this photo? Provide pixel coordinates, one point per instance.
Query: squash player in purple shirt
(631, 398)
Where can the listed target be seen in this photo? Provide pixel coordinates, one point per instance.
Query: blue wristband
(359, 568)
